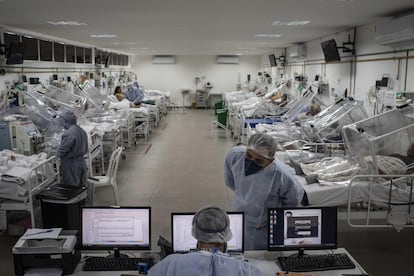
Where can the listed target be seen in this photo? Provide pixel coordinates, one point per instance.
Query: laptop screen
(183, 241)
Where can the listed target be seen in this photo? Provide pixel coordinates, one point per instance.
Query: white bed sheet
(337, 194)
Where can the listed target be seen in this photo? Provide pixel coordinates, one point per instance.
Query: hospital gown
(202, 263)
(273, 186)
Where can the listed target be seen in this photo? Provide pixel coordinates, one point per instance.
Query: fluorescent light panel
(103, 35)
(67, 23)
(290, 23)
(268, 35)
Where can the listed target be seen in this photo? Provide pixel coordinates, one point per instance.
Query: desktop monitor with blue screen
(183, 241)
(116, 228)
(302, 228)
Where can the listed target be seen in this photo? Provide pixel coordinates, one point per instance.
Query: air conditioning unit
(398, 30)
(227, 59)
(297, 51)
(163, 60)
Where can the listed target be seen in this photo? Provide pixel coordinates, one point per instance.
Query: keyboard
(316, 262)
(115, 264)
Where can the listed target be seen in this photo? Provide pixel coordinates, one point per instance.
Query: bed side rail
(387, 201)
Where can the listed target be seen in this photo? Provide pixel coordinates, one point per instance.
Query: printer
(62, 253)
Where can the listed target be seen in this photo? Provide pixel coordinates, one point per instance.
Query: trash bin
(218, 105)
(61, 206)
(222, 116)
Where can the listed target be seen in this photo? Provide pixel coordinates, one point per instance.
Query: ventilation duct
(297, 51)
(227, 59)
(399, 30)
(163, 60)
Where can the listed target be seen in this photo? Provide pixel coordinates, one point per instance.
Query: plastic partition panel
(93, 95)
(385, 134)
(327, 125)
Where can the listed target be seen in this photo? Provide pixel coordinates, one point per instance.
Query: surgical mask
(251, 167)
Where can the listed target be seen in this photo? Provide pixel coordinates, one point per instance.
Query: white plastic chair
(109, 179)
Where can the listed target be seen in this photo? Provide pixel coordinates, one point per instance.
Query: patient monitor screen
(107, 228)
(183, 241)
(308, 228)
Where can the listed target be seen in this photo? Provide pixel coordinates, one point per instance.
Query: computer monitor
(116, 228)
(302, 229)
(15, 53)
(272, 60)
(183, 241)
(330, 50)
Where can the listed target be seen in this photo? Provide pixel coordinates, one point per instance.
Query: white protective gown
(271, 187)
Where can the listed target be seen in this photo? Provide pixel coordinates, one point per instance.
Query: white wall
(173, 77)
(357, 75)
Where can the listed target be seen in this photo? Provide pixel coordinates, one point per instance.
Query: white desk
(264, 260)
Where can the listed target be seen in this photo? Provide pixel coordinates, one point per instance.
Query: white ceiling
(193, 27)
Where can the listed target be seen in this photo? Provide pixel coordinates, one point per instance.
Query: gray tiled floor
(180, 168)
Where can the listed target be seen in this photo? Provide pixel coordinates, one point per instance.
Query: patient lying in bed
(339, 170)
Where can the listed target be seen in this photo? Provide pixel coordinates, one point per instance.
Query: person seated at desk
(211, 228)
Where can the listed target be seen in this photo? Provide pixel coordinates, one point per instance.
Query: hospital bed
(283, 127)
(161, 99)
(375, 175)
(109, 137)
(248, 109)
(98, 101)
(23, 179)
(58, 99)
(326, 125)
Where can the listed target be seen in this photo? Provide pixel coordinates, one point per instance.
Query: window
(70, 53)
(88, 55)
(80, 55)
(45, 50)
(32, 48)
(98, 56)
(114, 59)
(59, 52)
(8, 38)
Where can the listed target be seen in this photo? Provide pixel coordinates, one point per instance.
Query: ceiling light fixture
(67, 23)
(268, 35)
(103, 36)
(290, 23)
(245, 48)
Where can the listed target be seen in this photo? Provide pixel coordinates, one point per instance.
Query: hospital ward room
(231, 138)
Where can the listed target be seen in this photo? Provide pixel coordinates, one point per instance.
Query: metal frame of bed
(41, 176)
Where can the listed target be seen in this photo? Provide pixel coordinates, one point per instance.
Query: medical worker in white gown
(211, 228)
(259, 181)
